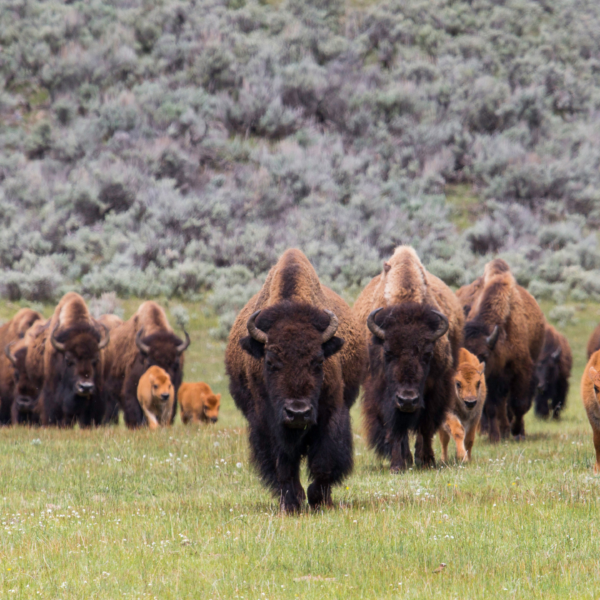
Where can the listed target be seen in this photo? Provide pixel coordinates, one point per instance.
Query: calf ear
(252, 347)
(592, 374)
(481, 368)
(330, 347)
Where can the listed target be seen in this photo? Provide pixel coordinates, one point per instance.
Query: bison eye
(458, 385)
(389, 356)
(427, 356)
(271, 365)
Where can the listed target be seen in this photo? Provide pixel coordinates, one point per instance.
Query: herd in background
(429, 361)
(74, 368)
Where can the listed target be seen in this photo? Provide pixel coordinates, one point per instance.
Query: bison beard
(299, 412)
(405, 390)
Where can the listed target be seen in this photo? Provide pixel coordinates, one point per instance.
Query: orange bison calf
(156, 396)
(462, 422)
(590, 389)
(198, 403)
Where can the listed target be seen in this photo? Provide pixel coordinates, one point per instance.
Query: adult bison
(27, 357)
(145, 340)
(294, 359)
(505, 329)
(552, 372)
(415, 322)
(593, 342)
(73, 366)
(9, 332)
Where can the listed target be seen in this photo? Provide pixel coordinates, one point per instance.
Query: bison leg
(424, 455)
(330, 457)
(541, 405)
(520, 400)
(496, 398)
(444, 441)
(597, 448)
(401, 457)
(560, 398)
(291, 494)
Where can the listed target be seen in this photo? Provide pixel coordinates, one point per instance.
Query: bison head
(481, 341)
(163, 349)
(80, 347)
(26, 391)
(402, 345)
(547, 370)
(293, 340)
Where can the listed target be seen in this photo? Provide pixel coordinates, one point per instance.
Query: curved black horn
(9, 354)
(57, 345)
(258, 334)
(444, 325)
(331, 328)
(183, 346)
(373, 327)
(493, 337)
(556, 354)
(106, 339)
(143, 348)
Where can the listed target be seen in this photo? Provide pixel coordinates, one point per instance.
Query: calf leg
(330, 457)
(470, 440)
(152, 420)
(458, 433)
(444, 440)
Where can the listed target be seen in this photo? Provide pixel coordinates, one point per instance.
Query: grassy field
(180, 514)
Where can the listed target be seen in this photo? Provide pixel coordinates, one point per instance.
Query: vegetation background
(173, 150)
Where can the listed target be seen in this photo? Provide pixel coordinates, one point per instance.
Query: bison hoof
(319, 495)
(397, 468)
(520, 437)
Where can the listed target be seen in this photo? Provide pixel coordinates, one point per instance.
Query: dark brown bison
(505, 329)
(294, 359)
(145, 340)
(415, 326)
(27, 357)
(111, 416)
(552, 372)
(9, 332)
(73, 366)
(594, 342)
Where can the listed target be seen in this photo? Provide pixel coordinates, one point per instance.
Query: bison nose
(298, 413)
(165, 397)
(407, 400)
(85, 387)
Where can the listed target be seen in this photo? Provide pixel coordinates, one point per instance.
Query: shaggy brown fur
(509, 352)
(72, 388)
(296, 378)
(9, 332)
(467, 294)
(126, 362)
(27, 356)
(590, 394)
(409, 296)
(462, 422)
(594, 342)
(156, 397)
(198, 403)
(111, 416)
(552, 372)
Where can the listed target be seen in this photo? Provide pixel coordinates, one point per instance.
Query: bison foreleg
(560, 398)
(424, 454)
(401, 457)
(520, 399)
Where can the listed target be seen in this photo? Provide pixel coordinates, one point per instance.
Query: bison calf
(156, 396)
(590, 391)
(552, 373)
(462, 422)
(198, 403)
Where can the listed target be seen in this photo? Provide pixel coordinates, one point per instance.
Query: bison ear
(252, 347)
(330, 347)
(481, 368)
(592, 374)
(218, 396)
(386, 267)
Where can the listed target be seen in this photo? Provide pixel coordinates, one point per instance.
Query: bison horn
(183, 346)
(493, 337)
(258, 334)
(373, 327)
(442, 327)
(9, 354)
(106, 339)
(57, 345)
(556, 354)
(331, 328)
(143, 348)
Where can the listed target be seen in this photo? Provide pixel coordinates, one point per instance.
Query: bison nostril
(85, 387)
(407, 396)
(213, 419)
(297, 413)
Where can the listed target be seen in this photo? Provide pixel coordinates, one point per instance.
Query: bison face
(26, 392)
(293, 341)
(546, 370)
(402, 346)
(481, 341)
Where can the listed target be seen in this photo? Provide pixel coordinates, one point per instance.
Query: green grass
(180, 514)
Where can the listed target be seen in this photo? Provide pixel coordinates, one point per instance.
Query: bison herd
(430, 361)
(73, 368)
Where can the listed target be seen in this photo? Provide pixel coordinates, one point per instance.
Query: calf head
(293, 340)
(162, 349)
(210, 408)
(470, 381)
(80, 346)
(402, 345)
(481, 340)
(547, 370)
(161, 387)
